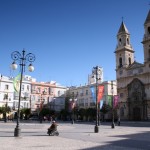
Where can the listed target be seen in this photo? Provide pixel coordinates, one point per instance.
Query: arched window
(129, 61)
(120, 42)
(127, 41)
(148, 29)
(120, 62)
(5, 96)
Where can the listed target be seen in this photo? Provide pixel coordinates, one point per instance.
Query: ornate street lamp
(73, 102)
(95, 71)
(22, 59)
(112, 91)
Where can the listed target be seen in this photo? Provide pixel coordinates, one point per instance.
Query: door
(136, 114)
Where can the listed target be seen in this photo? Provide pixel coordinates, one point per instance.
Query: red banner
(100, 92)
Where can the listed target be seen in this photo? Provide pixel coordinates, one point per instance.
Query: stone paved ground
(128, 136)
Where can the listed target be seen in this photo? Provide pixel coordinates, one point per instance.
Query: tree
(63, 114)
(4, 110)
(82, 113)
(91, 113)
(47, 112)
(26, 112)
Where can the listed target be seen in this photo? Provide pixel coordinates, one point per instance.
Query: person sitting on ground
(53, 127)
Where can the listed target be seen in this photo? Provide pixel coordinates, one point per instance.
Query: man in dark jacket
(53, 127)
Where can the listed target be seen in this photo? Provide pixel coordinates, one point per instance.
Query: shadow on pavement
(133, 141)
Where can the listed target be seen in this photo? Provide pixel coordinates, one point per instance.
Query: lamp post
(6, 107)
(22, 60)
(112, 90)
(95, 71)
(73, 101)
(41, 107)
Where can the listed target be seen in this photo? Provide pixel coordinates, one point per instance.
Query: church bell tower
(124, 51)
(146, 40)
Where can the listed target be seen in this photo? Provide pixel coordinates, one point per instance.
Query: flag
(100, 92)
(101, 104)
(93, 93)
(16, 82)
(115, 100)
(109, 99)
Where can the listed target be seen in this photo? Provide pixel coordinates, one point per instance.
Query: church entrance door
(136, 114)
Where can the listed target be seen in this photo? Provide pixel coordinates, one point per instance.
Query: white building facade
(84, 95)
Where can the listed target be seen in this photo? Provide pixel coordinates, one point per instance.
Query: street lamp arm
(30, 57)
(15, 55)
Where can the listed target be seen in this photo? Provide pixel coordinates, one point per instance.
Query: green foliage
(63, 114)
(4, 109)
(47, 111)
(26, 112)
(82, 112)
(91, 112)
(1, 110)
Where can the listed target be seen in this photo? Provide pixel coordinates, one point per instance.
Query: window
(77, 93)
(58, 93)
(127, 41)
(33, 87)
(5, 96)
(120, 62)
(120, 42)
(24, 104)
(149, 54)
(86, 92)
(22, 88)
(86, 104)
(6, 87)
(148, 29)
(45, 91)
(129, 61)
(121, 95)
(38, 90)
(33, 98)
(28, 88)
(39, 98)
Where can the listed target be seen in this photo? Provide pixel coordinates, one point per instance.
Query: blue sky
(68, 37)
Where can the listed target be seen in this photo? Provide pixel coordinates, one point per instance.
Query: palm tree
(4, 110)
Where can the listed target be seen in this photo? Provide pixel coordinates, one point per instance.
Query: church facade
(133, 78)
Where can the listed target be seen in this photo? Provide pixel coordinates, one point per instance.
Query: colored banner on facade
(101, 104)
(109, 100)
(93, 93)
(16, 82)
(115, 101)
(100, 92)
